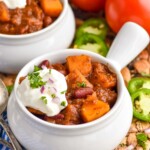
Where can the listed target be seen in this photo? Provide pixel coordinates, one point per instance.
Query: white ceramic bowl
(104, 133)
(17, 50)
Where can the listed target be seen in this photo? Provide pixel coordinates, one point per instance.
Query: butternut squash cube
(4, 13)
(52, 8)
(75, 80)
(82, 63)
(93, 108)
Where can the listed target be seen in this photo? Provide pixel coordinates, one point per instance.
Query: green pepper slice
(138, 83)
(94, 26)
(141, 104)
(92, 43)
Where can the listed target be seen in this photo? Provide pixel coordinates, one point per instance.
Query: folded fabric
(3, 134)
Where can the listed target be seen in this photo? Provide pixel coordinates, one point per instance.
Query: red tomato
(120, 11)
(89, 5)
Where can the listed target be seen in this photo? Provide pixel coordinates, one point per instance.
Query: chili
(85, 102)
(33, 17)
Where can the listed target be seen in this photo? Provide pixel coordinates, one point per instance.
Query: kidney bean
(45, 63)
(82, 92)
(59, 116)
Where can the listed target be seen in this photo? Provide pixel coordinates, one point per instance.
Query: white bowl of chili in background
(17, 50)
(103, 133)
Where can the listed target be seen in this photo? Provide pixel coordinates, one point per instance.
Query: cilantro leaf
(10, 88)
(82, 84)
(53, 95)
(43, 98)
(141, 139)
(36, 68)
(122, 144)
(35, 80)
(63, 92)
(50, 71)
(63, 103)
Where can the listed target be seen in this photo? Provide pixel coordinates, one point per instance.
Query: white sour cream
(50, 98)
(12, 4)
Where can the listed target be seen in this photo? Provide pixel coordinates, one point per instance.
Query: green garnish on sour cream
(35, 78)
(53, 95)
(63, 92)
(63, 103)
(44, 99)
(36, 68)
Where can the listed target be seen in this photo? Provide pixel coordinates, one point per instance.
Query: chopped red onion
(53, 90)
(130, 147)
(42, 89)
(43, 67)
(147, 131)
(56, 100)
(51, 81)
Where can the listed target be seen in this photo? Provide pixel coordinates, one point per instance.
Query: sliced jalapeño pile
(139, 89)
(91, 36)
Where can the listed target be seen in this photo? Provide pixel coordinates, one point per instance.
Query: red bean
(82, 92)
(59, 116)
(45, 63)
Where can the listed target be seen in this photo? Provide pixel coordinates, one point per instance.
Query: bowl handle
(129, 42)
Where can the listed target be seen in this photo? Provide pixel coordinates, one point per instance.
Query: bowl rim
(78, 126)
(42, 31)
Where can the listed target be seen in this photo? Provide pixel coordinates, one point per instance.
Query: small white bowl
(17, 50)
(104, 133)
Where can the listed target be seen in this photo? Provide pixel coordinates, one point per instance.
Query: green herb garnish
(141, 139)
(10, 88)
(63, 92)
(122, 144)
(43, 98)
(35, 80)
(82, 84)
(50, 71)
(63, 103)
(36, 68)
(53, 95)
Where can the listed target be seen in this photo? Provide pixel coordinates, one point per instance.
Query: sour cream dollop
(12, 4)
(49, 98)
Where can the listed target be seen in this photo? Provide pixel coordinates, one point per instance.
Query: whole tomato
(120, 11)
(89, 5)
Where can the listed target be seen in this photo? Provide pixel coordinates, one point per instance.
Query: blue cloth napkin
(3, 134)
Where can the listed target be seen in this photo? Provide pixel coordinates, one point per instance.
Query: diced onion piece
(56, 100)
(51, 81)
(130, 147)
(42, 89)
(147, 131)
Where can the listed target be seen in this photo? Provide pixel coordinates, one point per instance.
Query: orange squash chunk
(101, 75)
(4, 13)
(75, 79)
(93, 108)
(82, 63)
(52, 8)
